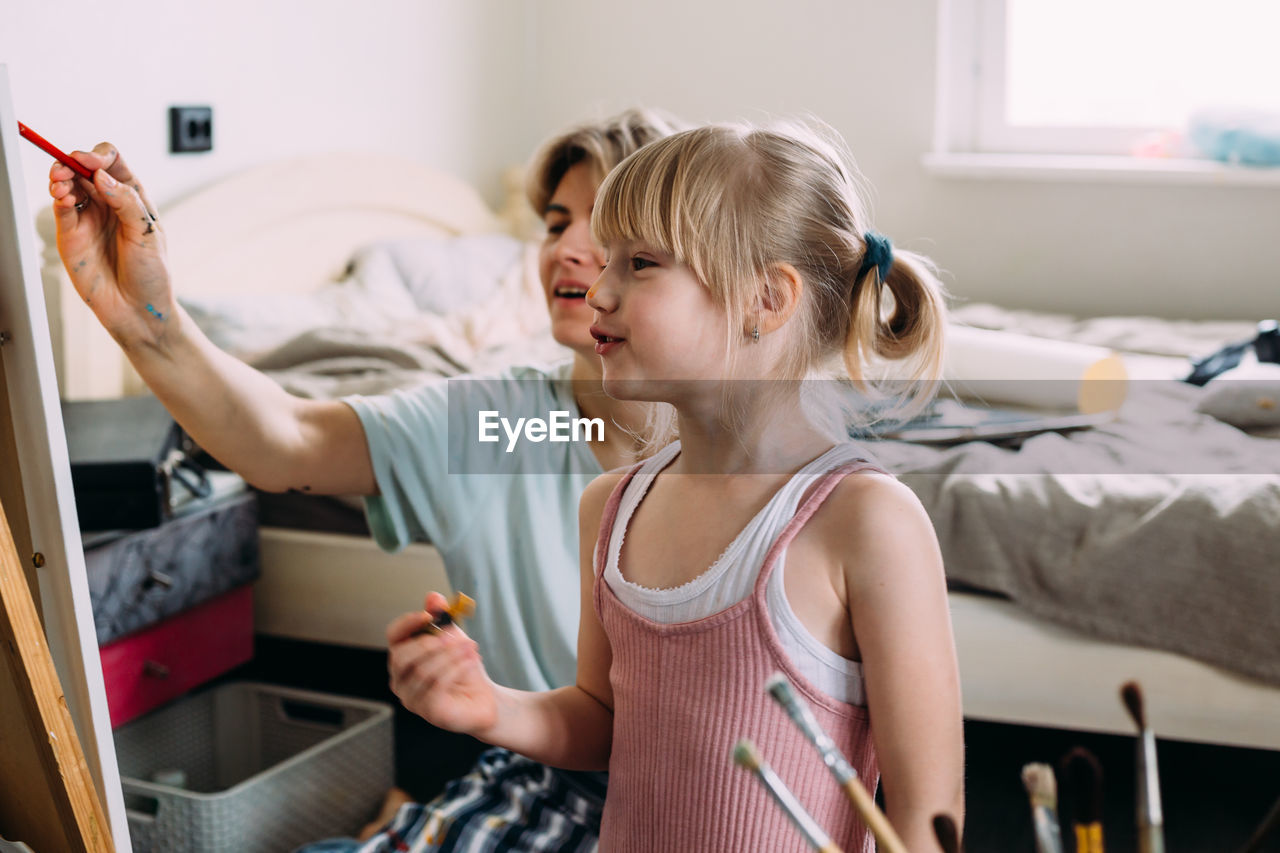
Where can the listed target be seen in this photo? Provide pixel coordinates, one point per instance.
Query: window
(1098, 76)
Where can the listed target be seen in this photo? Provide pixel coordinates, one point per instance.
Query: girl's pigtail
(899, 325)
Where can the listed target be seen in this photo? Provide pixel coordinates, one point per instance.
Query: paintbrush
(460, 608)
(1270, 822)
(780, 689)
(1042, 788)
(1150, 817)
(1083, 782)
(745, 755)
(944, 827)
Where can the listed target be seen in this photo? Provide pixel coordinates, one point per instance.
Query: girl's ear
(783, 291)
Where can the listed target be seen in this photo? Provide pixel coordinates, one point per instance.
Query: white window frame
(972, 139)
(971, 88)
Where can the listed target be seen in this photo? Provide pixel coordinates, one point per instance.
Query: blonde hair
(601, 145)
(735, 201)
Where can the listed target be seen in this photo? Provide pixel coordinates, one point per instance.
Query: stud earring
(755, 334)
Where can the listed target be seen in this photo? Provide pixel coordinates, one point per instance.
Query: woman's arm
(113, 248)
(898, 604)
(441, 677)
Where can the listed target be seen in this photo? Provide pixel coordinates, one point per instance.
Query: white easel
(43, 779)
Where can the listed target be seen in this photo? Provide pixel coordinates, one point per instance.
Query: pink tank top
(685, 693)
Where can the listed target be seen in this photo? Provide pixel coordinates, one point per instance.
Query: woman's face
(569, 262)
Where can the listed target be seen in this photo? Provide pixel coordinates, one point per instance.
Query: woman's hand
(440, 676)
(113, 246)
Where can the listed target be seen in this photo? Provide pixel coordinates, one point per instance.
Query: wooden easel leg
(47, 797)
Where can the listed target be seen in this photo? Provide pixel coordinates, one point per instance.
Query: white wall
(473, 85)
(404, 76)
(867, 67)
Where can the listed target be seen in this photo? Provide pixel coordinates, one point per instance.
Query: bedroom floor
(1213, 797)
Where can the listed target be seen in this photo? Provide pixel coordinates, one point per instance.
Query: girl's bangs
(634, 202)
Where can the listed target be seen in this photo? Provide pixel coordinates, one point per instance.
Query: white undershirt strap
(732, 576)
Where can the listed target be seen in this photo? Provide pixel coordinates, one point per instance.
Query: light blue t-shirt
(506, 523)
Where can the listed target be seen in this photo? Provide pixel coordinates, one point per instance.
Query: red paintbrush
(49, 148)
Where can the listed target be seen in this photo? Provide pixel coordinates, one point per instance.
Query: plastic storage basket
(250, 767)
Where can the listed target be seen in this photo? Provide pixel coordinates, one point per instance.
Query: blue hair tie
(878, 254)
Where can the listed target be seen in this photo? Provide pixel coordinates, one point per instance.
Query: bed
(1040, 641)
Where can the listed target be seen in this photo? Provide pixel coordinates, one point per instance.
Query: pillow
(1247, 396)
(385, 284)
(442, 274)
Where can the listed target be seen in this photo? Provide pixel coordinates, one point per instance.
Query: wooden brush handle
(830, 847)
(880, 827)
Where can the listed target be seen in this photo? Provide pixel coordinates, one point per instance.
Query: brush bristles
(779, 688)
(777, 683)
(1131, 695)
(745, 755)
(1041, 785)
(944, 827)
(1083, 782)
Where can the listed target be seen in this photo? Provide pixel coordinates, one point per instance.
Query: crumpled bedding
(504, 321)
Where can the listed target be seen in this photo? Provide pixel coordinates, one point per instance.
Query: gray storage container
(250, 767)
(137, 578)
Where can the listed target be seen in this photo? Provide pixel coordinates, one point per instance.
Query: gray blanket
(1161, 529)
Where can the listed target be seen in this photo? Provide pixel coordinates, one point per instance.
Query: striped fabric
(685, 693)
(507, 802)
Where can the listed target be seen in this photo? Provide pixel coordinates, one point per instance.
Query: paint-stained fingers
(113, 161)
(70, 192)
(62, 180)
(136, 222)
(66, 201)
(106, 158)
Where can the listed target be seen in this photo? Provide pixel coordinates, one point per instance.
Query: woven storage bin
(250, 767)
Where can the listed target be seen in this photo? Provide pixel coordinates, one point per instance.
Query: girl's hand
(440, 676)
(112, 245)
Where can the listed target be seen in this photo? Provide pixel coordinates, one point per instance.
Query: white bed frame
(294, 225)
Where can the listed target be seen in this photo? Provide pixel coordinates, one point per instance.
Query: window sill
(1099, 169)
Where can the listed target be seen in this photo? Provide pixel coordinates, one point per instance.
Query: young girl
(758, 541)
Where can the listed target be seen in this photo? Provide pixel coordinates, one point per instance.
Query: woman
(516, 551)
